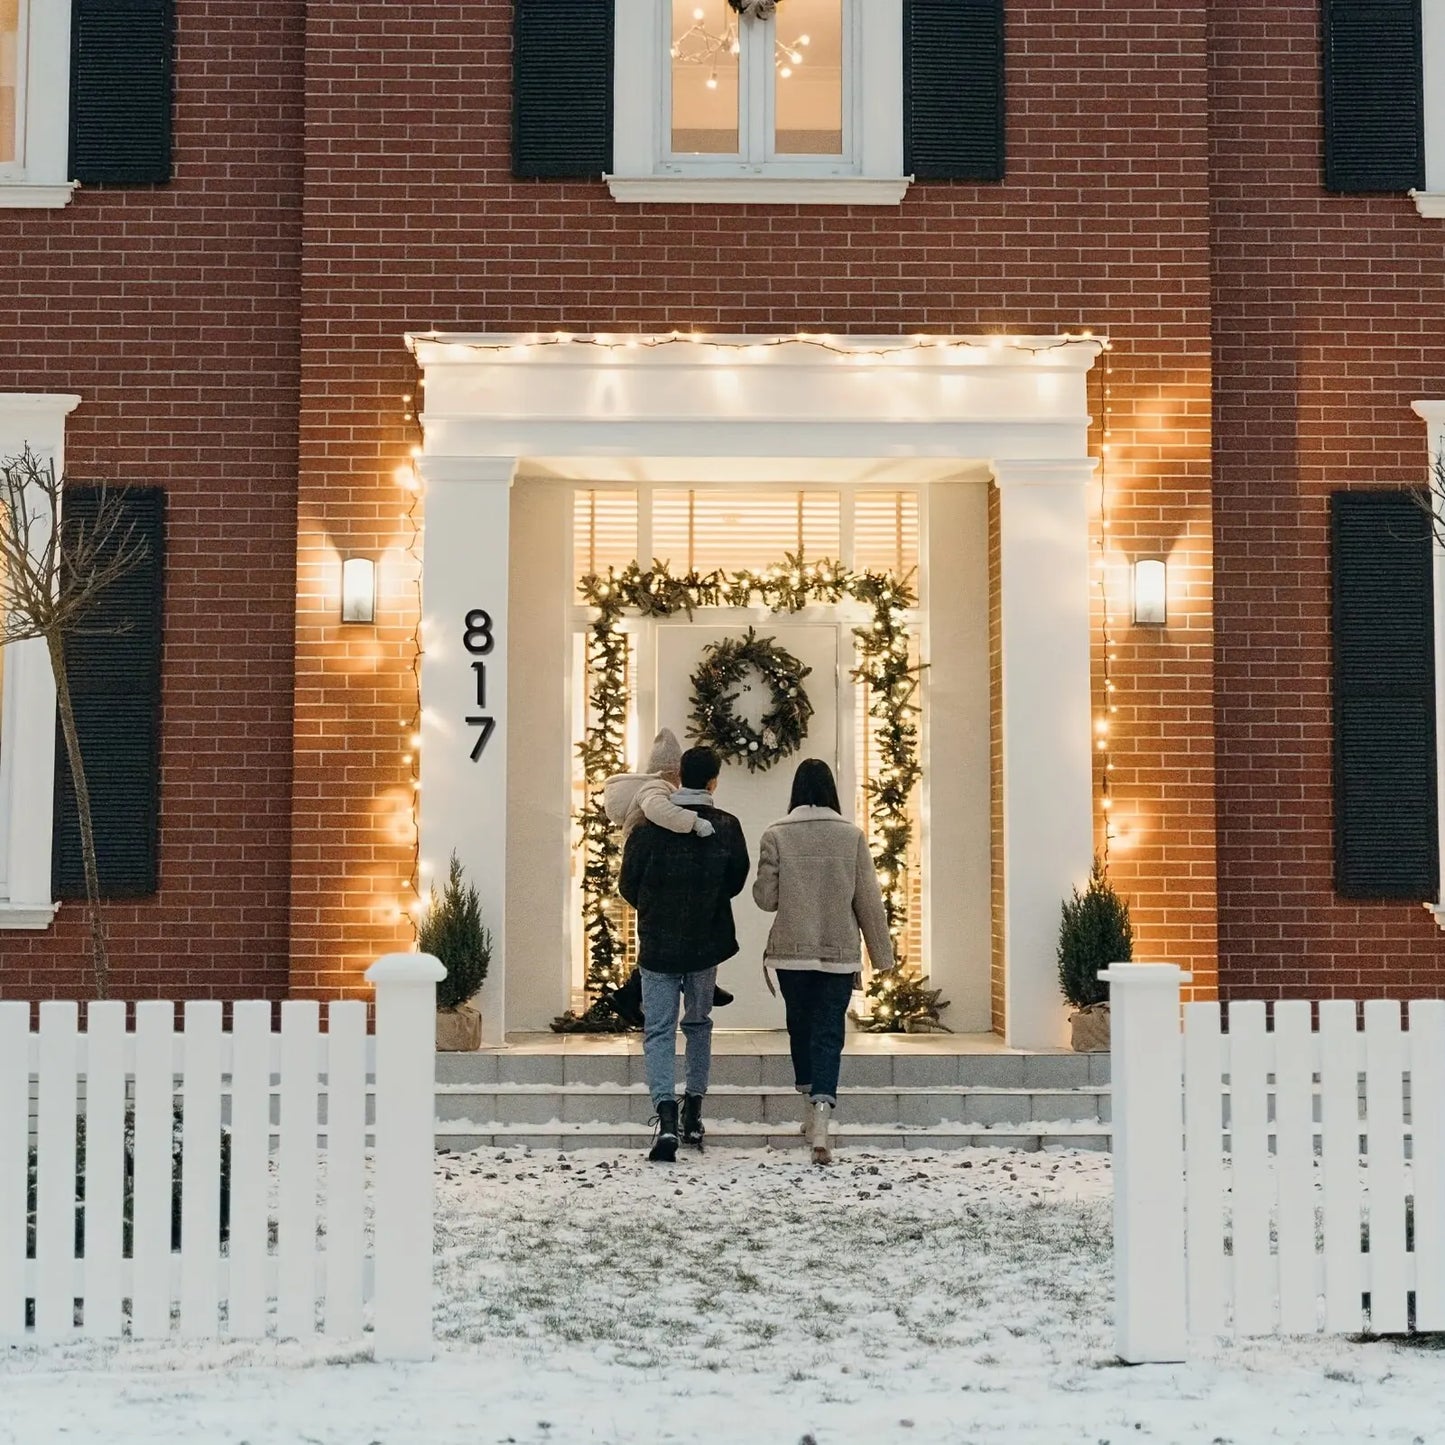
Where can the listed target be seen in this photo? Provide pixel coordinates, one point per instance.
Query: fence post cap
(414, 968)
(1163, 974)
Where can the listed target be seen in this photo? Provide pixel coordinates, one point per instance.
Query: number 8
(478, 639)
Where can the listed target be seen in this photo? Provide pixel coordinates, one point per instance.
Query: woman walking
(816, 873)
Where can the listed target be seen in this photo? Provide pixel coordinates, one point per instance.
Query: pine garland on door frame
(900, 1002)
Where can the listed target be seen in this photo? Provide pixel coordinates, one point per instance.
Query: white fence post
(1149, 1267)
(405, 985)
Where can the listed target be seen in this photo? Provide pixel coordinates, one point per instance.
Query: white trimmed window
(1431, 201)
(27, 704)
(34, 103)
(1384, 99)
(816, 102)
(85, 97)
(711, 104)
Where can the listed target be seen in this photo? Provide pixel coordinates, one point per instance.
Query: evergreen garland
(900, 1001)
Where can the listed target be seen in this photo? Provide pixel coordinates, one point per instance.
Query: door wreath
(719, 682)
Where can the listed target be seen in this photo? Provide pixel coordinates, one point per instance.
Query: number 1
(480, 668)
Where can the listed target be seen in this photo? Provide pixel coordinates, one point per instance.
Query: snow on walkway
(746, 1298)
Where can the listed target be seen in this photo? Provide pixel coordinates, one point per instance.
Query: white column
(1047, 726)
(1148, 1071)
(464, 692)
(1433, 415)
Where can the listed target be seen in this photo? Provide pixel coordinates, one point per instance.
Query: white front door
(755, 799)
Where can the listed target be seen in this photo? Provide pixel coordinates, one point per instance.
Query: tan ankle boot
(819, 1127)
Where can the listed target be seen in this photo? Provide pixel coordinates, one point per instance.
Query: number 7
(488, 726)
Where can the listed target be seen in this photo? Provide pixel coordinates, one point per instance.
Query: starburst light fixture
(698, 45)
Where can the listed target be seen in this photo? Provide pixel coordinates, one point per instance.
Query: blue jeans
(816, 1005)
(660, 995)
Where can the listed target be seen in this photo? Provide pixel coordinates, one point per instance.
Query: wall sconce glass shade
(1151, 592)
(358, 590)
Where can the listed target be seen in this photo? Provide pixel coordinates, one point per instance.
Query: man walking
(682, 886)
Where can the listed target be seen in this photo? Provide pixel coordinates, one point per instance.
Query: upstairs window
(10, 77)
(759, 91)
(85, 96)
(804, 102)
(1384, 98)
(34, 85)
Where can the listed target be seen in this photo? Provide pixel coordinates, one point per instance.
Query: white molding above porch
(566, 404)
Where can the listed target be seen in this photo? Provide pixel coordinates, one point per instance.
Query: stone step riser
(919, 1109)
(630, 1139)
(924, 1071)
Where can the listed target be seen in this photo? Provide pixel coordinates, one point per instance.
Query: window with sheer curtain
(758, 90)
(11, 20)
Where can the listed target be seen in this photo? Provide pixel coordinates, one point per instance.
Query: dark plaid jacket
(682, 887)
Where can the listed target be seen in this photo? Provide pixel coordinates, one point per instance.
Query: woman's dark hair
(813, 787)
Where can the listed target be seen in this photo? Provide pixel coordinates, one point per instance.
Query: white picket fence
(1273, 1181)
(74, 1276)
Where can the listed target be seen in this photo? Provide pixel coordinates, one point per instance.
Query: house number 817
(479, 640)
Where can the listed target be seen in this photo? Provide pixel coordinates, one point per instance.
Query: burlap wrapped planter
(1091, 1029)
(459, 1030)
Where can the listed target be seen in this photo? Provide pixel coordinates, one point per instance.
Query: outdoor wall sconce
(358, 590)
(1151, 592)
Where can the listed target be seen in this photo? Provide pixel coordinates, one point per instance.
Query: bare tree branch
(53, 572)
(1432, 498)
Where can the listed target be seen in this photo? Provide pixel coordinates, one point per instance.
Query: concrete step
(592, 1094)
(935, 1069)
(731, 1135)
(511, 1105)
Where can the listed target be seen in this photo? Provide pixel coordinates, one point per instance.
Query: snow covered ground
(746, 1298)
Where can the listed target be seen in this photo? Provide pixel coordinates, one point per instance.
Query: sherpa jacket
(816, 873)
(682, 887)
(628, 798)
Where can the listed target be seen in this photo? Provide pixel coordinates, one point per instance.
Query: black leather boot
(692, 1130)
(664, 1139)
(627, 1000)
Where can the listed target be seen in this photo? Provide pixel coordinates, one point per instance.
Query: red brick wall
(1329, 317)
(173, 312)
(1102, 223)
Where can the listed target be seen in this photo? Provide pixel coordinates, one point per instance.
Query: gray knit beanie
(666, 755)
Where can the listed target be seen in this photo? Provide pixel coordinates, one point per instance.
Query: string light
(898, 999)
(756, 347)
(607, 637)
(1102, 749)
(412, 904)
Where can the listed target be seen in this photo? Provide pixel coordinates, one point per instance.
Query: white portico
(518, 428)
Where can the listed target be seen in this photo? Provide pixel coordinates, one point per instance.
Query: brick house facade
(343, 177)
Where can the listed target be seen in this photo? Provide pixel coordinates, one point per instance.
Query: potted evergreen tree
(451, 930)
(1095, 931)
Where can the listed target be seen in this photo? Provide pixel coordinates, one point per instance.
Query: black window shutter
(562, 88)
(115, 688)
(120, 91)
(1386, 830)
(1374, 96)
(953, 90)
